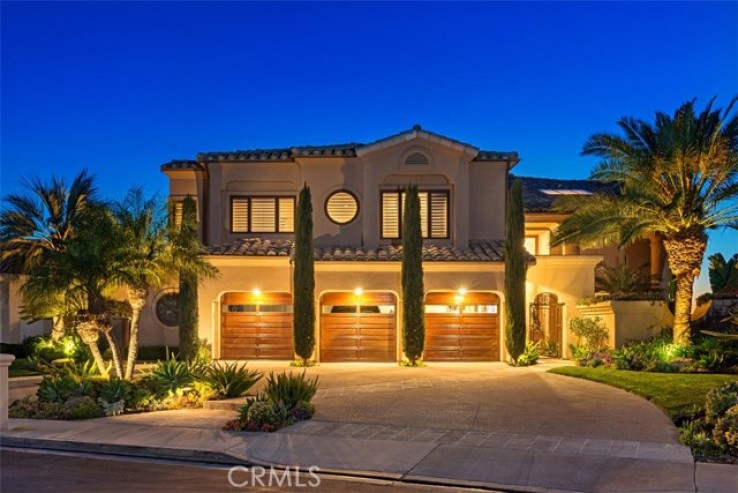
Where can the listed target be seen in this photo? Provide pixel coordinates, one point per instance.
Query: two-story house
(246, 205)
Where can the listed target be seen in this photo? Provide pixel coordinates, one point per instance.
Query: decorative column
(5, 360)
(657, 260)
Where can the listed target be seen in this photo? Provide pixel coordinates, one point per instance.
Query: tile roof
(537, 201)
(478, 251)
(337, 150)
(181, 164)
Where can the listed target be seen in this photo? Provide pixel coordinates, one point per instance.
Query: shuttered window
(434, 214)
(286, 215)
(390, 215)
(240, 215)
(262, 214)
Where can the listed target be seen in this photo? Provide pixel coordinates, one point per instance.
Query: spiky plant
(677, 177)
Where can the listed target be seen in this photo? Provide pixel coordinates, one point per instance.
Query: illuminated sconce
(462, 291)
(358, 291)
(257, 293)
(458, 298)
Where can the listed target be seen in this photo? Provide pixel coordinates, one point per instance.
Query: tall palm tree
(81, 277)
(144, 258)
(39, 222)
(677, 178)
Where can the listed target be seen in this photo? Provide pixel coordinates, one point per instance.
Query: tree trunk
(89, 334)
(685, 252)
(57, 328)
(683, 310)
(137, 301)
(114, 351)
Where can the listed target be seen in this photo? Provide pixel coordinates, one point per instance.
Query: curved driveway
(489, 397)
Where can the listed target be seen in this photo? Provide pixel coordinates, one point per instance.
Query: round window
(342, 207)
(167, 309)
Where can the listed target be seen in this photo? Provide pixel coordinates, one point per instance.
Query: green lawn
(675, 393)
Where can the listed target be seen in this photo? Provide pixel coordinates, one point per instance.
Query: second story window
(434, 214)
(263, 214)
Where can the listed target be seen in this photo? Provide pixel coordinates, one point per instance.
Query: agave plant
(230, 380)
(173, 376)
(290, 389)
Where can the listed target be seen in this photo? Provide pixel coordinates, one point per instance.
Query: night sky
(123, 87)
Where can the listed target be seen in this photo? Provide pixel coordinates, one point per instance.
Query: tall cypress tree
(188, 277)
(304, 278)
(412, 277)
(515, 270)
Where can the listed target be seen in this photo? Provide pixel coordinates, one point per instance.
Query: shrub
(290, 389)
(591, 332)
(58, 388)
(284, 400)
(82, 407)
(115, 390)
(529, 356)
(716, 433)
(230, 380)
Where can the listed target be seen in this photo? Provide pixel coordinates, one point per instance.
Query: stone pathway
(558, 445)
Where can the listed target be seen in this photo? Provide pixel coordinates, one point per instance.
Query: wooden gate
(358, 327)
(462, 327)
(546, 323)
(256, 326)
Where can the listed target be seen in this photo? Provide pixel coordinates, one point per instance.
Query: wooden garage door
(358, 328)
(462, 328)
(256, 327)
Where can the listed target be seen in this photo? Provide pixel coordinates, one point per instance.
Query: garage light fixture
(257, 293)
(358, 291)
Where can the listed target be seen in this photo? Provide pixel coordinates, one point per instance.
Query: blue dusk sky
(123, 87)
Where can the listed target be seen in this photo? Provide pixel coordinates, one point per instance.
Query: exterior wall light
(358, 291)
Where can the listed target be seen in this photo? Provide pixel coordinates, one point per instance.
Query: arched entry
(462, 327)
(358, 327)
(546, 322)
(256, 326)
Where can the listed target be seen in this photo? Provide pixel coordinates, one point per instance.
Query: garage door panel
(462, 334)
(252, 334)
(357, 336)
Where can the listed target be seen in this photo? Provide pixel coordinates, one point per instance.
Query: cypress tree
(412, 277)
(188, 278)
(304, 279)
(515, 270)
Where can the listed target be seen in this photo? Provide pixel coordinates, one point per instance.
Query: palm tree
(81, 277)
(676, 178)
(39, 222)
(144, 259)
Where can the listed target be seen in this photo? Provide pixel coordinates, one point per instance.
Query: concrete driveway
(485, 397)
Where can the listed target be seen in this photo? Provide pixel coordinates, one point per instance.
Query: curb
(186, 455)
(220, 458)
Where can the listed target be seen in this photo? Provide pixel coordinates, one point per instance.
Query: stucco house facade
(246, 205)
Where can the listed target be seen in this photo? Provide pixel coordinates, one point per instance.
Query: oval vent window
(417, 158)
(342, 207)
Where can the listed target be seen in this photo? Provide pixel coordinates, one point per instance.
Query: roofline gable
(416, 133)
